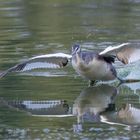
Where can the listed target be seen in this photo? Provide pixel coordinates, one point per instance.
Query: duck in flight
(90, 65)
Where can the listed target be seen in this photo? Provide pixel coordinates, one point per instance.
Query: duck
(91, 65)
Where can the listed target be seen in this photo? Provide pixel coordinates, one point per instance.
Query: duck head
(76, 49)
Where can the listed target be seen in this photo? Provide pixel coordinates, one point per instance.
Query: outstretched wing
(126, 52)
(57, 60)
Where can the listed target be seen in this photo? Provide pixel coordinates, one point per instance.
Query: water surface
(59, 104)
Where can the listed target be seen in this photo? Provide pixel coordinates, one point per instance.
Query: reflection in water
(92, 101)
(48, 108)
(134, 87)
(129, 114)
(126, 115)
(98, 104)
(94, 104)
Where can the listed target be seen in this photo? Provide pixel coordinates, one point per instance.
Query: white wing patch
(39, 65)
(63, 55)
(112, 48)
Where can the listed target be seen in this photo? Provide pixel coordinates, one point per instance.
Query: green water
(58, 104)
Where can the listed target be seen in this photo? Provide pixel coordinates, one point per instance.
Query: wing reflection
(126, 115)
(47, 108)
(129, 114)
(128, 111)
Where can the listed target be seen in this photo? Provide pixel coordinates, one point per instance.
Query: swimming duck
(90, 65)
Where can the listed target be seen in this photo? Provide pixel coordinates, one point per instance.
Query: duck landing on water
(92, 66)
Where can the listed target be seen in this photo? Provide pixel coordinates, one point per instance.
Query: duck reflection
(91, 102)
(99, 104)
(94, 100)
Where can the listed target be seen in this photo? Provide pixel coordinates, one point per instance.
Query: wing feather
(113, 49)
(57, 60)
(126, 52)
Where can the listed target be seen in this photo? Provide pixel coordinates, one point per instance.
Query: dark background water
(58, 104)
